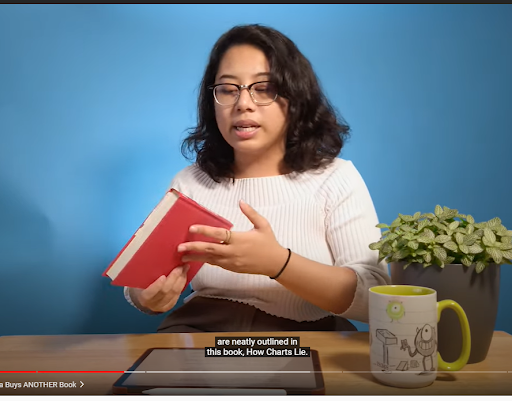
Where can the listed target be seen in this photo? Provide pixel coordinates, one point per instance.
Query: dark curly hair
(315, 133)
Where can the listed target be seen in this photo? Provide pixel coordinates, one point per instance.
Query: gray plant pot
(476, 293)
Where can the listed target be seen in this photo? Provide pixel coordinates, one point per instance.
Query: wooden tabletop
(344, 358)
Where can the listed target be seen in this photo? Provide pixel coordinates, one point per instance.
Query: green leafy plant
(444, 237)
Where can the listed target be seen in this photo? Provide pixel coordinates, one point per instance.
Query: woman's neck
(256, 167)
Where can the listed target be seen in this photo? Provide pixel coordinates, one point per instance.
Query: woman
(266, 144)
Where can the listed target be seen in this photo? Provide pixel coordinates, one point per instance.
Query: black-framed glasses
(262, 93)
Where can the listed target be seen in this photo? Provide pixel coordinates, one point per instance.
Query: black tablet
(180, 371)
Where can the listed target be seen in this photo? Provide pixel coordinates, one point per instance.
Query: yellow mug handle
(466, 336)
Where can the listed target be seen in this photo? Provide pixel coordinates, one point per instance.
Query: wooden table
(343, 356)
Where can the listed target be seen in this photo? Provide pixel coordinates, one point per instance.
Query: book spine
(222, 221)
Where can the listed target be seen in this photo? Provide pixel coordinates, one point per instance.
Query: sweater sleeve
(177, 184)
(350, 220)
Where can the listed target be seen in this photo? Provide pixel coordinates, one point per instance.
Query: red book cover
(152, 250)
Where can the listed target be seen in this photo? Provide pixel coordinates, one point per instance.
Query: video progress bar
(247, 371)
(154, 371)
(302, 371)
(62, 371)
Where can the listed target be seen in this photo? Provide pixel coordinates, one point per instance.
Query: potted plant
(460, 259)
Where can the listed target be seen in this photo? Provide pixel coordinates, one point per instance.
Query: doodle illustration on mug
(386, 338)
(405, 365)
(395, 310)
(426, 345)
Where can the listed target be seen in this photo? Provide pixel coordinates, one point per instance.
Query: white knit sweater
(326, 216)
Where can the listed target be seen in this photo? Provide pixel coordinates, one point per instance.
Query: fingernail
(181, 248)
(179, 270)
(186, 268)
(193, 229)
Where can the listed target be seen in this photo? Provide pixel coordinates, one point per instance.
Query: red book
(153, 249)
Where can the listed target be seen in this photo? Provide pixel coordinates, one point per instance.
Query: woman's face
(251, 129)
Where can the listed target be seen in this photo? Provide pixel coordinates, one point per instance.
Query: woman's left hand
(256, 251)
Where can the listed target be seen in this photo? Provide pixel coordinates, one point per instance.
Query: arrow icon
(82, 383)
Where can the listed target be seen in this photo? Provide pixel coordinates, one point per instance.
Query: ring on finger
(228, 238)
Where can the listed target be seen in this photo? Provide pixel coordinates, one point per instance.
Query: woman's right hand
(163, 294)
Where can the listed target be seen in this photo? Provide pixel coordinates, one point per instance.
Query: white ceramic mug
(403, 335)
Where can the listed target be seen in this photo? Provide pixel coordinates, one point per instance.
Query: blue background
(94, 101)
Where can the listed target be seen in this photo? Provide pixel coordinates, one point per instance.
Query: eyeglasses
(262, 93)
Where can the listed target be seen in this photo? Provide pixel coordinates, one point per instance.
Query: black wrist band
(286, 264)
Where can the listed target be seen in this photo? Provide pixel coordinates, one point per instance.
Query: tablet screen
(163, 367)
